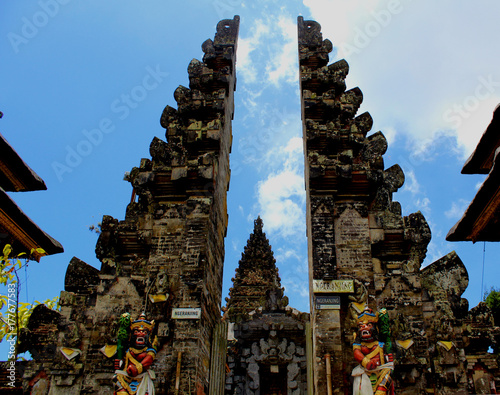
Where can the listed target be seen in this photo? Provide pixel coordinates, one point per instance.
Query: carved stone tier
(356, 232)
(255, 277)
(167, 254)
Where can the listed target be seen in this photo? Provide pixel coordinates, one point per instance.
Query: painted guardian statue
(373, 375)
(135, 355)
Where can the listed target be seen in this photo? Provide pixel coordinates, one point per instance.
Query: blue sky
(93, 78)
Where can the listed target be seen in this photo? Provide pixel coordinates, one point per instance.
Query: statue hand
(374, 362)
(389, 358)
(132, 370)
(118, 364)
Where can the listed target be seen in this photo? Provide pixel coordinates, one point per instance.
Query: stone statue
(373, 374)
(132, 375)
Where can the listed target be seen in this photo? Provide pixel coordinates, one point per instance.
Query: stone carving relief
(272, 353)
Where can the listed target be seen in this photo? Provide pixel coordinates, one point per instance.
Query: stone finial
(227, 31)
(257, 225)
(275, 299)
(313, 50)
(309, 32)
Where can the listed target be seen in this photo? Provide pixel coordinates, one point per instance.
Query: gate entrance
(273, 383)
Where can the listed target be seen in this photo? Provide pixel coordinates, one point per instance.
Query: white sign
(333, 286)
(186, 314)
(331, 302)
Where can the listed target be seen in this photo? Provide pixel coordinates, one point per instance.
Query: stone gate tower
(362, 251)
(164, 259)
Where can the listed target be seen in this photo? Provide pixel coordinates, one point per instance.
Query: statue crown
(142, 323)
(368, 316)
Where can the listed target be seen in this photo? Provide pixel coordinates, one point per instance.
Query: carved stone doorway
(273, 383)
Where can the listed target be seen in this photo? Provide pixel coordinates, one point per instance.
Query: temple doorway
(273, 383)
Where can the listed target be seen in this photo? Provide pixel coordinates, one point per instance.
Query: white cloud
(474, 123)
(411, 184)
(297, 285)
(457, 209)
(250, 100)
(291, 156)
(286, 255)
(281, 196)
(294, 145)
(424, 205)
(284, 64)
(390, 134)
(344, 17)
(245, 65)
(269, 54)
(443, 78)
(435, 251)
(263, 147)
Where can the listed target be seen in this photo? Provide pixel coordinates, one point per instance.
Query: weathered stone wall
(357, 232)
(167, 253)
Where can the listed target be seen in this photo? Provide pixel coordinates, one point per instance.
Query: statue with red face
(132, 375)
(373, 374)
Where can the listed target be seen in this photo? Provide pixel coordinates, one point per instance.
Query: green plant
(492, 300)
(15, 315)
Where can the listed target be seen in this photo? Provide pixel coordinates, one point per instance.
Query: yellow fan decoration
(109, 350)
(70, 353)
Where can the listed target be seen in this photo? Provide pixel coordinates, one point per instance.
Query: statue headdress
(367, 315)
(142, 323)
